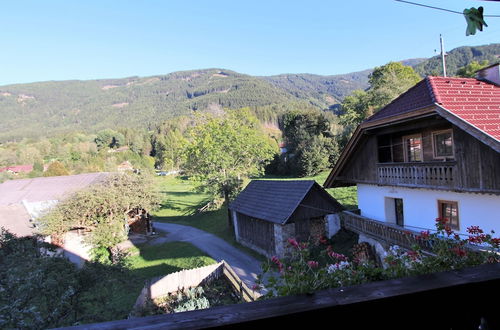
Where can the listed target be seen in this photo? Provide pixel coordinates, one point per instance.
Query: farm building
(267, 213)
(23, 201)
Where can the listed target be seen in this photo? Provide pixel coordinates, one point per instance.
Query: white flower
(339, 265)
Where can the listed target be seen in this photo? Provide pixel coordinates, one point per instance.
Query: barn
(268, 212)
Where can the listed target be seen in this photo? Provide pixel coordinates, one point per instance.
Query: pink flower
(275, 260)
(338, 256)
(313, 264)
(293, 242)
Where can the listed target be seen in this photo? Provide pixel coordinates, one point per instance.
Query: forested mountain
(45, 108)
(48, 108)
(322, 91)
(457, 58)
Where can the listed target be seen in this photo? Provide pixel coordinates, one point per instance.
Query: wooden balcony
(389, 233)
(429, 175)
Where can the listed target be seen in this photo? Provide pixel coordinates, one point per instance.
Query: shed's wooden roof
(283, 201)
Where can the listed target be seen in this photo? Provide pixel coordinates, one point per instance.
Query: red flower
(313, 264)
(414, 255)
(424, 235)
(448, 230)
(323, 240)
(459, 252)
(474, 230)
(495, 242)
(478, 239)
(441, 221)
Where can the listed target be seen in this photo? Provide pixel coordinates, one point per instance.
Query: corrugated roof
(46, 188)
(276, 201)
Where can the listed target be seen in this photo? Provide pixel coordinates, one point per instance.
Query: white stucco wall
(420, 206)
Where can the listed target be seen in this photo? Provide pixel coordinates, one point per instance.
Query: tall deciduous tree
(224, 149)
(309, 140)
(387, 82)
(56, 169)
(469, 71)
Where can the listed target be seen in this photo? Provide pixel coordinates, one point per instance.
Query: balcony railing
(382, 231)
(418, 174)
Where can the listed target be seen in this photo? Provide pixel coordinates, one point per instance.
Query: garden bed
(218, 292)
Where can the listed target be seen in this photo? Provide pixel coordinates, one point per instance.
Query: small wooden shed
(268, 212)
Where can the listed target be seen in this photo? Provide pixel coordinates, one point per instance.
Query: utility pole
(443, 54)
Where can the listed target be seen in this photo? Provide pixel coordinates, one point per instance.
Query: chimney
(490, 74)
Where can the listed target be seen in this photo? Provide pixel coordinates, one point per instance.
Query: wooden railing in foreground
(383, 231)
(449, 300)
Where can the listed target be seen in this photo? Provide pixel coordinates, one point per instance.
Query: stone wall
(332, 224)
(281, 236)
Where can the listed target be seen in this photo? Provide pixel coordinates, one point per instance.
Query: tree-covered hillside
(45, 108)
(49, 108)
(457, 58)
(322, 91)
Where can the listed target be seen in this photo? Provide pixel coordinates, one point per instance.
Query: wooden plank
(472, 286)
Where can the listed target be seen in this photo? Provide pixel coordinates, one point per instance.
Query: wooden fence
(190, 278)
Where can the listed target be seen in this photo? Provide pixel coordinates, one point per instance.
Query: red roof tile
(18, 168)
(473, 101)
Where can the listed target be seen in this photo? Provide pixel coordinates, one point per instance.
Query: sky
(86, 39)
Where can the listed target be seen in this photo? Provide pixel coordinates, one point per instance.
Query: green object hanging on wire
(475, 20)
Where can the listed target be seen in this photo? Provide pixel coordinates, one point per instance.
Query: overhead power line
(438, 8)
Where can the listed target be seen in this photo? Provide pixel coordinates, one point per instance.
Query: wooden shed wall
(478, 165)
(257, 232)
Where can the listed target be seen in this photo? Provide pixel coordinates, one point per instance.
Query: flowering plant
(305, 272)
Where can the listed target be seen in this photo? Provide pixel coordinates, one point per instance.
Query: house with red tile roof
(433, 152)
(17, 169)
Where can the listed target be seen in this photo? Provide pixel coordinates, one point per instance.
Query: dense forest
(54, 107)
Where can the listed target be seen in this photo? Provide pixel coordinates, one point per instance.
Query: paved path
(244, 265)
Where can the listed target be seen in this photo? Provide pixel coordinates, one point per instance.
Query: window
(442, 143)
(413, 148)
(449, 210)
(384, 149)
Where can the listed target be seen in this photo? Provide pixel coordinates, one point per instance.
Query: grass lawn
(180, 203)
(113, 296)
(154, 260)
